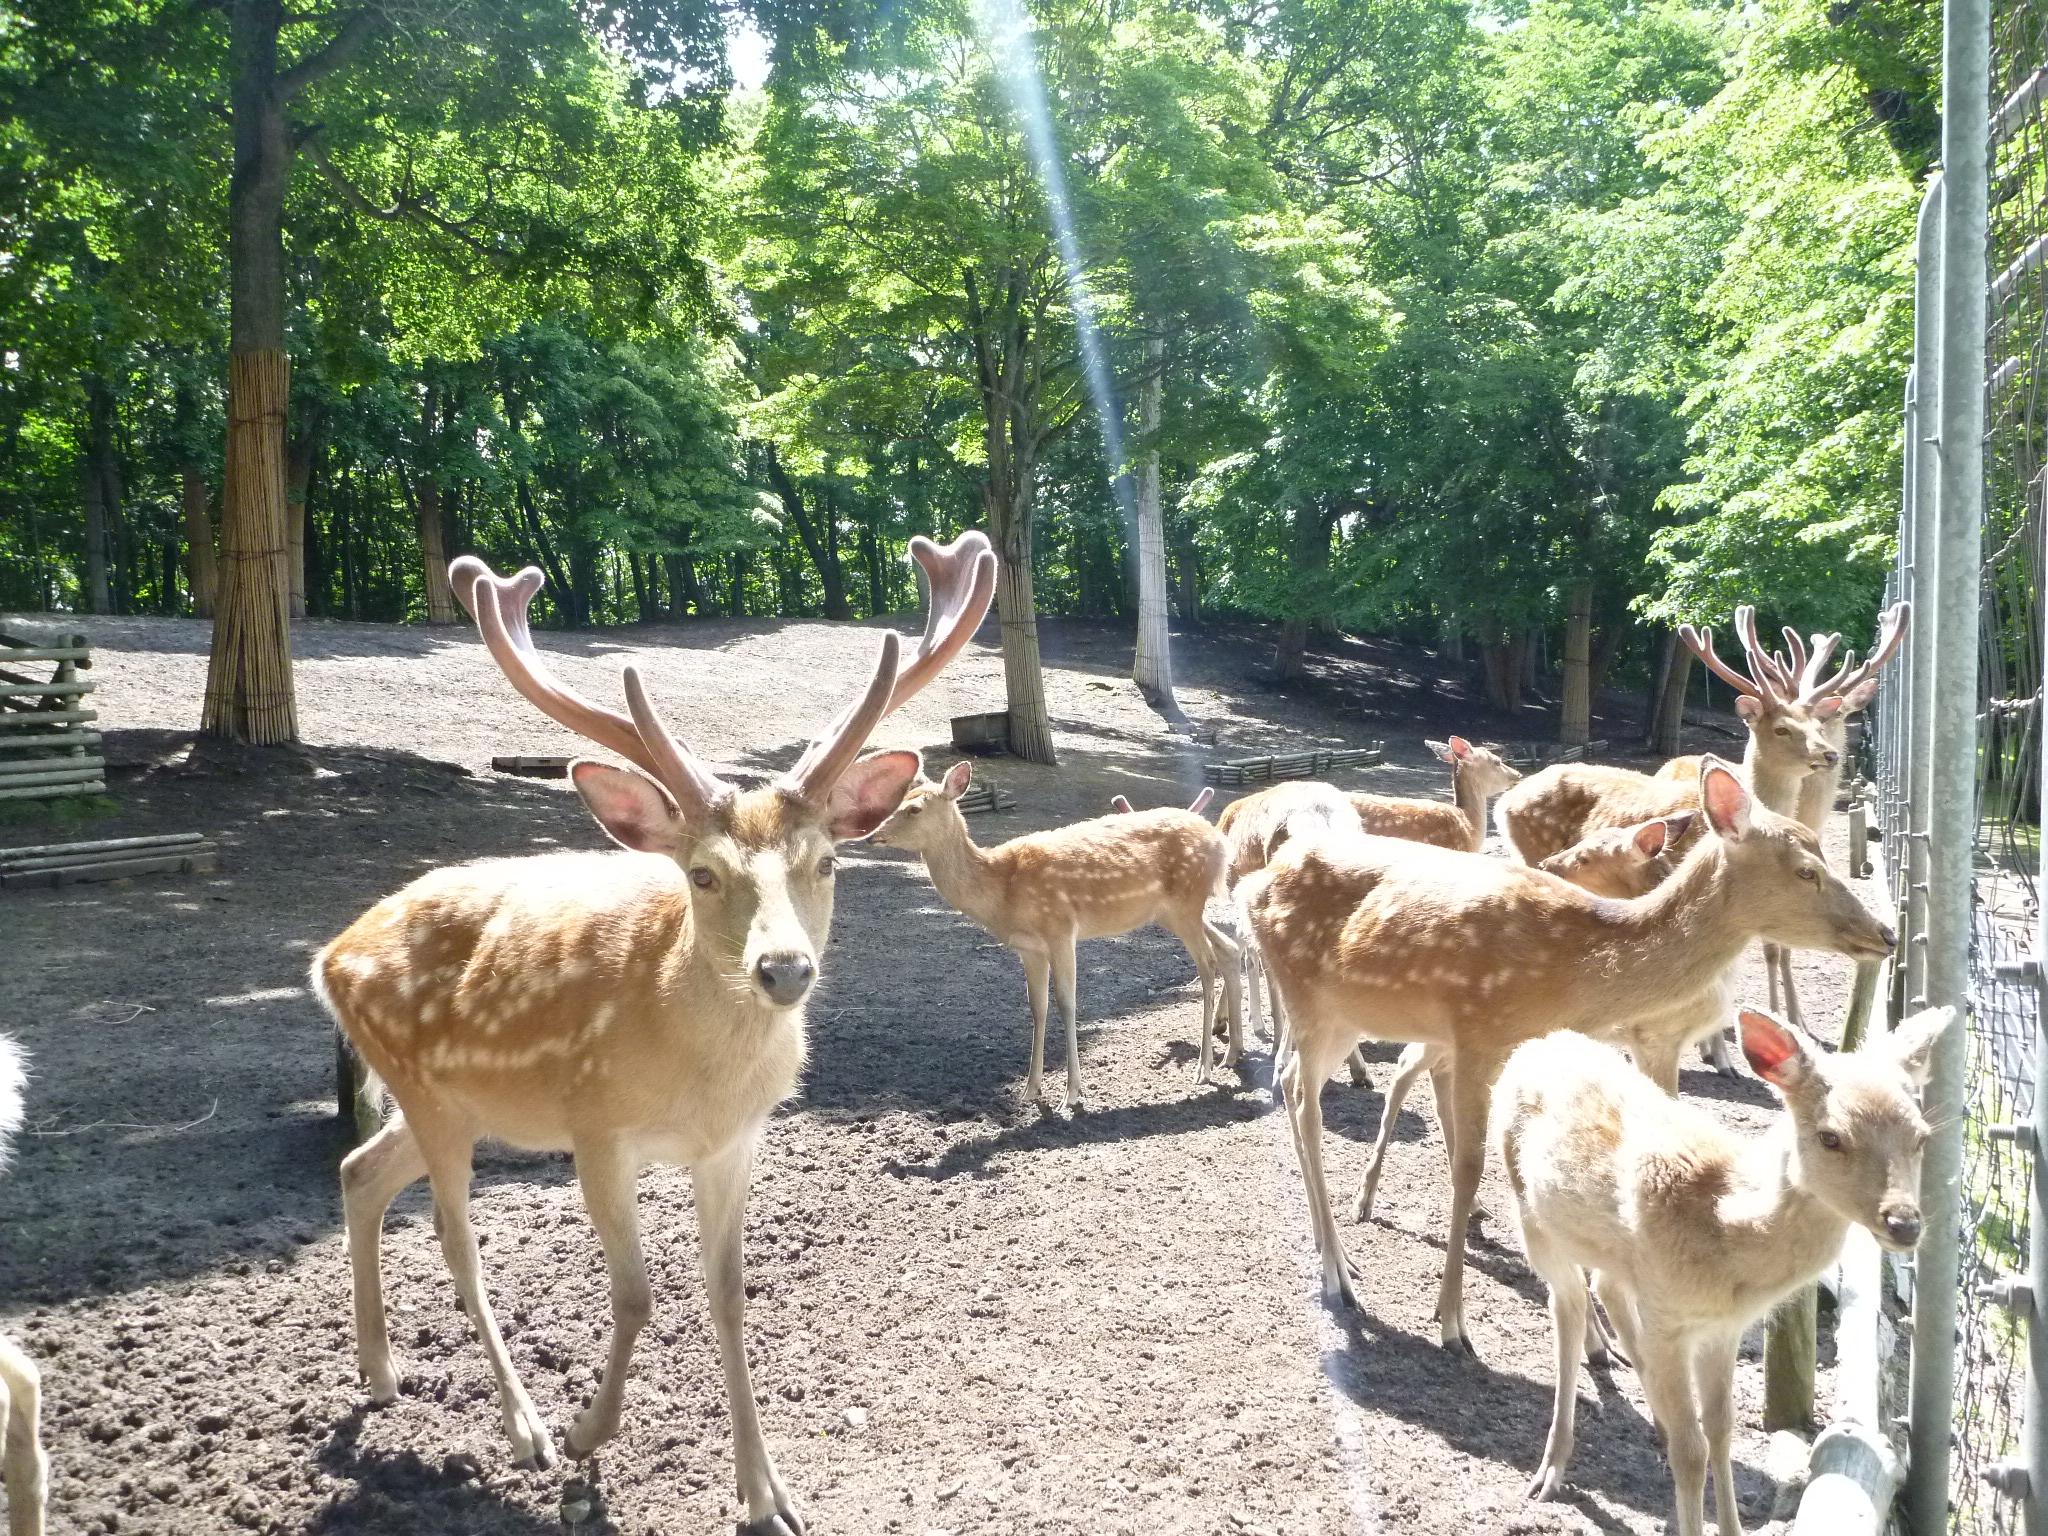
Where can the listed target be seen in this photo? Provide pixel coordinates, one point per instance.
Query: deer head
(1476, 768)
(929, 816)
(1857, 1127)
(1854, 685)
(758, 862)
(1788, 731)
(1622, 862)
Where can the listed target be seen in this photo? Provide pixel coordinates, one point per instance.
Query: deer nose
(1902, 1225)
(785, 978)
(1890, 937)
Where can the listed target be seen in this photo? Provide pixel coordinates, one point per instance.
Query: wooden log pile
(118, 858)
(1292, 765)
(47, 747)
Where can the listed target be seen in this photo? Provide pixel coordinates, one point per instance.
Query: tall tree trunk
(1575, 717)
(815, 528)
(736, 604)
(639, 575)
(1310, 559)
(97, 486)
(1006, 368)
(1187, 580)
(302, 448)
(1503, 661)
(249, 674)
(878, 577)
(1667, 726)
(433, 522)
(683, 596)
(198, 541)
(1152, 666)
(1450, 647)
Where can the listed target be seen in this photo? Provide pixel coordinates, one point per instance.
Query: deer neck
(961, 872)
(1777, 788)
(1775, 1233)
(1471, 802)
(1678, 939)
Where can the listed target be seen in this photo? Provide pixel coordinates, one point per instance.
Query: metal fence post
(1966, 116)
(1917, 765)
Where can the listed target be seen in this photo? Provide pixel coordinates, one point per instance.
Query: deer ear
(1830, 707)
(1676, 826)
(1725, 800)
(1912, 1043)
(1460, 748)
(634, 811)
(868, 792)
(1651, 838)
(1749, 706)
(1859, 697)
(957, 778)
(1120, 805)
(1775, 1051)
(1442, 749)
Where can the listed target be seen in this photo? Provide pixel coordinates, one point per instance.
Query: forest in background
(1521, 328)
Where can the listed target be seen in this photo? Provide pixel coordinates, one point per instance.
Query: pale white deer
(1122, 805)
(1042, 892)
(1373, 938)
(1693, 1232)
(1617, 862)
(629, 1007)
(24, 1469)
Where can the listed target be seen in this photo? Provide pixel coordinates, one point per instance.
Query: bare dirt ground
(968, 1315)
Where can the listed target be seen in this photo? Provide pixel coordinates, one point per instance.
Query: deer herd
(648, 1006)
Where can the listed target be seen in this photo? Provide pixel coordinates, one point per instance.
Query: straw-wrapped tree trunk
(249, 675)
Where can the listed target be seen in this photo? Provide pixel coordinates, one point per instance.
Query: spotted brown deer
(1041, 892)
(628, 1007)
(1617, 862)
(1693, 1232)
(1477, 775)
(24, 1469)
(1122, 805)
(1373, 938)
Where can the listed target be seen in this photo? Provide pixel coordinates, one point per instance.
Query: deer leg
(1248, 958)
(1666, 1373)
(1195, 940)
(1233, 1000)
(609, 1177)
(1036, 971)
(1570, 1309)
(1771, 978)
(1715, 1049)
(721, 1189)
(1307, 1070)
(1657, 1059)
(371, 1177)
(1789, 988)
(1464, 1110)
(23, 1466)
(1414, 1062)
(1714, 1377)
(1620, 1308)
(448, 1166)
(1063, 993)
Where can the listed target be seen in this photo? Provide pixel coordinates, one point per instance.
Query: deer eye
(703, 879)
(826, 865)
(912, 810)
(1831, 1141)
(1808, 872)
(1784, 730)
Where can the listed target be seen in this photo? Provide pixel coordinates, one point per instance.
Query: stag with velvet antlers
(628, 1007)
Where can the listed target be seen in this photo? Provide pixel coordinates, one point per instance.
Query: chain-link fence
(1992, 1422)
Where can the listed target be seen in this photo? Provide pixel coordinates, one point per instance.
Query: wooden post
(1790, 1344)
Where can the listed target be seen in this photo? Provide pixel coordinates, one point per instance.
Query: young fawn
(1200, 803)
(1693, 1232)
(1041, 892)
(628, 1007)
(24, 1469)
(1477, 775)
(1368, 937)
(1620, 862)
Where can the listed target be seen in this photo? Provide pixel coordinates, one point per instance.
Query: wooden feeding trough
(119, 858)
(989, 732)
(47, 747)
(1292, 765)
(533, 767)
